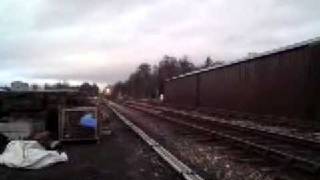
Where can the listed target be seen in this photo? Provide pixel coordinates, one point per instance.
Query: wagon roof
(257, 56)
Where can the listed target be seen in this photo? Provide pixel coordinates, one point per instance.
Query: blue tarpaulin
(88, 121)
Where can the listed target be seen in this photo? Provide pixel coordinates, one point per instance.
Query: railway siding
(299, 154)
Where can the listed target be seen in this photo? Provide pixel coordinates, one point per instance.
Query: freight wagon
(283, 83)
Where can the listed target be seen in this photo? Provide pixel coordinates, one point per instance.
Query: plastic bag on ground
(29, 155)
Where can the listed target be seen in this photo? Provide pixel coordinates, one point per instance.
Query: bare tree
(186, 65)
(148, 81)
(90, 90)
(211, 63)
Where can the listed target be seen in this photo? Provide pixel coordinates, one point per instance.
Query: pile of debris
(34, 124)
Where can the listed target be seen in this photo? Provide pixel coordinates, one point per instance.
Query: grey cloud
(104, 40)
(101, 74)
(65, 13)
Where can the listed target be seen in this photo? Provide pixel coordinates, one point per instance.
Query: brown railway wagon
(283, 82)
(177, 91)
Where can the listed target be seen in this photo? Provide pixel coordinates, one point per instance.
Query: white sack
(29, 155)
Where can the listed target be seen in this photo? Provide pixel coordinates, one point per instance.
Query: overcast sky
(104, 40)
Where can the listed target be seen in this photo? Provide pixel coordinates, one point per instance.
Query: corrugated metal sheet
(182, 92)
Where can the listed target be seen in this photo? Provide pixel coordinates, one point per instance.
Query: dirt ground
(121, 155)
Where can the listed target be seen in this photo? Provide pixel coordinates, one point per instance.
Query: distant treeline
(148, 80)
(85, 88)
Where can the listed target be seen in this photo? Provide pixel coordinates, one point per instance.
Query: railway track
(186, 172)
(292, 151)
(212, 119)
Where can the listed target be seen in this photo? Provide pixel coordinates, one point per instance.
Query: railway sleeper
(276, 135)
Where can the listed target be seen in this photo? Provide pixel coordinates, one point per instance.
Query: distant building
(19, 86)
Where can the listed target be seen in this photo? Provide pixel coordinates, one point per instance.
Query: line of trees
(85, 88)
(88, 89)
(148, 81)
